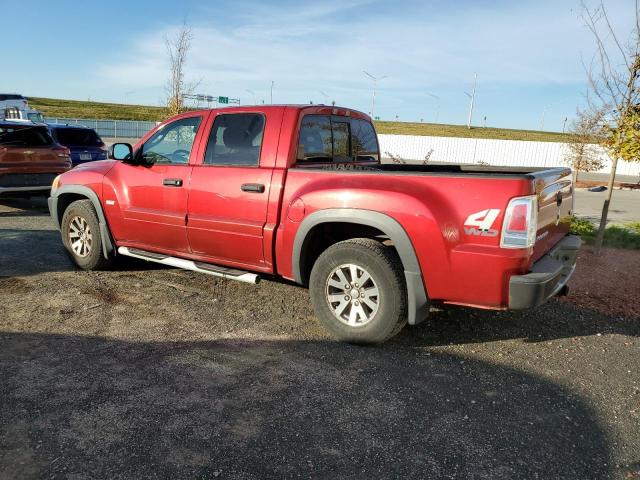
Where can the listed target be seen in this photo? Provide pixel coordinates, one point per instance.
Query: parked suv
(84, 143)
(29, 158)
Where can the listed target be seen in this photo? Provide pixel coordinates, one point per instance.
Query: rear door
(229, 191)
(153, 197)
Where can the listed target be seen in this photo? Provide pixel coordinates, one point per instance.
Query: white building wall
(414, 148)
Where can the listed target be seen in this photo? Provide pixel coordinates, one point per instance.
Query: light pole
(437, 98)
(544, 112)
(472, 98)
(253, 94)
(375, 84)
(272, 82)
(326, 97)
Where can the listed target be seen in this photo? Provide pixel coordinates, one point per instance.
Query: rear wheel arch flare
(418, 301)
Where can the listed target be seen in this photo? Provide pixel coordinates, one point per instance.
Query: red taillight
(518, 219)
(520, 223)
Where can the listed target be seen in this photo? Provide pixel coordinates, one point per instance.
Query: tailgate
(554, 190)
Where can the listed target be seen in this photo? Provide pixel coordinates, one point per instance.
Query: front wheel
(358, 291)
(81, 235)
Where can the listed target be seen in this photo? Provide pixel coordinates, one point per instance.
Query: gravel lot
(145, 372)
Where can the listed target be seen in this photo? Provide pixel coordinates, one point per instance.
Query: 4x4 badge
(480, 223)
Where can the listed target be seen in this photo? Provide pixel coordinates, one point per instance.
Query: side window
(364, 141)
(172, 144)
(235, 139)
(315, 143)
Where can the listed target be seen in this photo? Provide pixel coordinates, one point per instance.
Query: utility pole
(564, 124)
(375, 84)
(326, 97)
(272, 82)
(437, 98)
(472, 98)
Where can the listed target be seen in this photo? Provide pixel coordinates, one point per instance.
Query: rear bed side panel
(432, 209)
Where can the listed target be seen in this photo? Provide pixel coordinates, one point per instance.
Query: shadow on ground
(25, 207)
(92, 407)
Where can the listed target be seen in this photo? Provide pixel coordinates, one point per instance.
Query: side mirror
(121, 151)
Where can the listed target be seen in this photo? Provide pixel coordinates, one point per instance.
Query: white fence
(110, 128)
(415, 148)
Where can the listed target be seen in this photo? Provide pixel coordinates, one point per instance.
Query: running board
(208, 268)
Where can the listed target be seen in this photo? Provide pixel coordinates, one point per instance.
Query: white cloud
(326, 47)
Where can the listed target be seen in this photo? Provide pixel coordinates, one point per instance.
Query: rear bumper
(548, 276)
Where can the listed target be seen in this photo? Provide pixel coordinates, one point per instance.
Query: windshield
(25, 136)
(81, 137)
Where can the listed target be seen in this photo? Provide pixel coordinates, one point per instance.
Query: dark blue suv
(85, 144)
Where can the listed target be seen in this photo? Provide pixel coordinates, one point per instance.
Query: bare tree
(614, 81)
(583, 155)
(178, 47)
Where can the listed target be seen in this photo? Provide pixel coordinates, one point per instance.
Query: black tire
(385, 269)
(93, 258)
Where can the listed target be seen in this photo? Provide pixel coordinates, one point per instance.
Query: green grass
(620, 236)
(441, 130)
(52, 107)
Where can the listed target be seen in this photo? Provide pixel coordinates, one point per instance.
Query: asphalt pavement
(150, 372)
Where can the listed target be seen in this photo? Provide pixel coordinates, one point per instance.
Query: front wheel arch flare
(67, 194)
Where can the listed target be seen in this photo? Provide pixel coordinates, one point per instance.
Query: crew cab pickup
(300, 192)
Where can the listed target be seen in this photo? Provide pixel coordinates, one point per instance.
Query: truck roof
(317, 108)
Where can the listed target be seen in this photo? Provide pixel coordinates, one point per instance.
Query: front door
(154, 195)
(230, 190)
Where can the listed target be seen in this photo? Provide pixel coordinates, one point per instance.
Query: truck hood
(100, 166)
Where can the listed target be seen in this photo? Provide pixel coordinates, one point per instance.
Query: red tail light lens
(520, 224)
(518, 218)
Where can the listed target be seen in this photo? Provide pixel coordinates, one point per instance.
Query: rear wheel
(358, 291)
(81, 235)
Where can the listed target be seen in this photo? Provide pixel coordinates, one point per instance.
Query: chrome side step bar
(208, 268)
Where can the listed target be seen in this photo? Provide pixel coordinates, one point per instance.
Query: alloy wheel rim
(352, 295)
(80, 236)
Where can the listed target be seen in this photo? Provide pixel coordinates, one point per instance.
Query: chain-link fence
(109, 128)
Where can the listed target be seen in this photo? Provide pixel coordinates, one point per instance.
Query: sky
(528, 56)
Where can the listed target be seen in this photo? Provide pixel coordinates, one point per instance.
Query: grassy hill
(86, 109)
(442, 130)
(52, 107)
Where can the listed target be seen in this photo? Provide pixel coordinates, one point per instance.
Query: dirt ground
(146, 372)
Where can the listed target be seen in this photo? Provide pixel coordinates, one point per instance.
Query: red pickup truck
(300, 192)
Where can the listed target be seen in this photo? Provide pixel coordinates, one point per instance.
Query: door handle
(253, 187)
(172, 182)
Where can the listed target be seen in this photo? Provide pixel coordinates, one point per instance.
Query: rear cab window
(328, 139)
